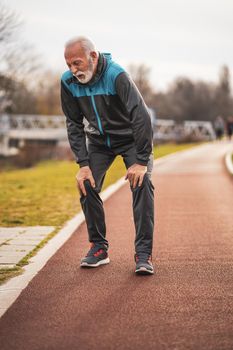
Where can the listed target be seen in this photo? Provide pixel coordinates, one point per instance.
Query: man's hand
(84, 174)
(136, 173)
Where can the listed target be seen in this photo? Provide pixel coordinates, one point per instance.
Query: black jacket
(113, 107)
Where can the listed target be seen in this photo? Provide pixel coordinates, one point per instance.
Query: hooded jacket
(113, 107)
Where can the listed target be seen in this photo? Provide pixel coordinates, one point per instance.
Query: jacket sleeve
(75, 126)
(139, 116)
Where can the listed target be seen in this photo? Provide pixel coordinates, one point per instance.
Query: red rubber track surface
(187, 304)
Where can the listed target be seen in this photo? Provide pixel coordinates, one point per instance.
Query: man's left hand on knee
(135, 174)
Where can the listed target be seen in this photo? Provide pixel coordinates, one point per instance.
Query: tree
(47, 94)
(140, 74)
(9, 23)
(187, 100)
(19, 64)
(223, 100)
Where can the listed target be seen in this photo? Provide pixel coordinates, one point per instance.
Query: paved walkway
(187, 304)
(17, 242)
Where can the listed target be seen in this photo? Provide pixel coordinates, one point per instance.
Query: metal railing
(40, 127)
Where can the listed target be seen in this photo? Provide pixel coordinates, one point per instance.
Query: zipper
(97, 115)
(108, 141)
(99, 122)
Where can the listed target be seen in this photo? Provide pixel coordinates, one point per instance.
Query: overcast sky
(173, 37)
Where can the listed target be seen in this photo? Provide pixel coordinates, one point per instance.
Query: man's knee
(89, 189)
(146, 182)
(87, 185)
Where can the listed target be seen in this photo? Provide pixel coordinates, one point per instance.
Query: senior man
(99, 90)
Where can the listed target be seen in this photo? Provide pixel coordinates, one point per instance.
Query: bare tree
(223, 100)
(224, 80)
(47, 94)
(141, 76)
(189, 100)
(18, 66)
(22, 63)
(9, 23)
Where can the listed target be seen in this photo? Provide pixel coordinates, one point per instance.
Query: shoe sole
(101, 262)
(144, 271)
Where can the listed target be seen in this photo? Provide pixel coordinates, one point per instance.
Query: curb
(11, 290)
(229, 163)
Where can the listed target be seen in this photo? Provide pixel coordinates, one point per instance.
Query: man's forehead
(75, 50)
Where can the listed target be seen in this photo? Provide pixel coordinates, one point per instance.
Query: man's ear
(94, 55)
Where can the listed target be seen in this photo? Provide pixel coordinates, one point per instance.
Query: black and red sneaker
(144, 264)
(96, 256)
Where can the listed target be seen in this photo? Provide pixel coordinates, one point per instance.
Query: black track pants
(100, 159)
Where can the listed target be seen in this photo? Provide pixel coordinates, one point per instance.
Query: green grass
(46, 194)
(41, 195)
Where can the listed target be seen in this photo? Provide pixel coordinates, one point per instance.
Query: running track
(187, 304)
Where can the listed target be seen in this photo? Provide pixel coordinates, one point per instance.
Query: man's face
(81, 64)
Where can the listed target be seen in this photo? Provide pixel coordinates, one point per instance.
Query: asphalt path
(187, 304)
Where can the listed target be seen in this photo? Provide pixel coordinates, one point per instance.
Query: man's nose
(73, 69)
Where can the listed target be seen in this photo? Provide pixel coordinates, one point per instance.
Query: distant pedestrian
(229, 127)
(119, 123)
(219, 127)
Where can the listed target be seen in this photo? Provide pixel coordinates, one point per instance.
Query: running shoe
(144, 264)
(96, 256)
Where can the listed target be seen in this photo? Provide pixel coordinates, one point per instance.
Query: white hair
(85, 42)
